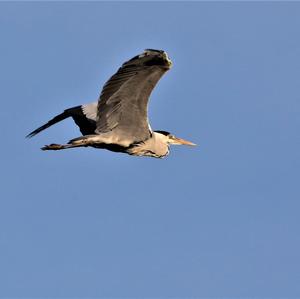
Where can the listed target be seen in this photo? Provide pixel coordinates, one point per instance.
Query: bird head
(151, 57)
(171, 139)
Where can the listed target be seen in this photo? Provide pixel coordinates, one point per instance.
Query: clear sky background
(217, 221)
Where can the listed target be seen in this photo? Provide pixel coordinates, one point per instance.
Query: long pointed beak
(183, 142)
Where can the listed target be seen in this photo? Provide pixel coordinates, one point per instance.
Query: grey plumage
(119, 120)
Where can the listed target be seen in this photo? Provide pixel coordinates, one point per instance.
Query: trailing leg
(82, 141)
(56, 147)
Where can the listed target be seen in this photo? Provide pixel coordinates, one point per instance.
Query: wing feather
(123, 102)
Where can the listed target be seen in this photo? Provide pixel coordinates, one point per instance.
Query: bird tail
(67, 113)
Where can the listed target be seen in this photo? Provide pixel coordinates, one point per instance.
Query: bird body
(118, 121)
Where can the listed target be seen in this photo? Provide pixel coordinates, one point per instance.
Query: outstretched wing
(123, 103)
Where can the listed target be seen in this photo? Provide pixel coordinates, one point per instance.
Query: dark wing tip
(54, 120)
(33, 133)
(38, 130)
(150, 57)
(154, 50)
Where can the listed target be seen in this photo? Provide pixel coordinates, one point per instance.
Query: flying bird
(118, 121)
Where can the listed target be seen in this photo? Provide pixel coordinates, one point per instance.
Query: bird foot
(52, 146)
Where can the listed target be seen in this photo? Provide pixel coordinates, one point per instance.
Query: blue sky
(217, 221)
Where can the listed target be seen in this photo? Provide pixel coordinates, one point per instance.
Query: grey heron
(118, 121)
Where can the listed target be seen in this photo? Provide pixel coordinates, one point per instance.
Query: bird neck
(160, 143)
(156, 146)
